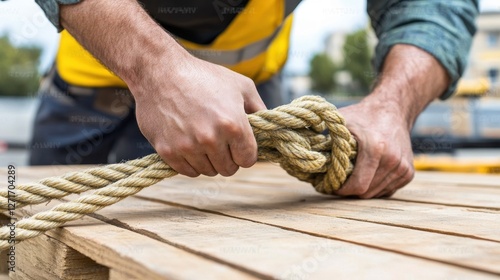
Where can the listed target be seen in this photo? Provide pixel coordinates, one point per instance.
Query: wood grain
(264, 223)
(132, 253)
(54, 260)
(304, 213)
(266, 251)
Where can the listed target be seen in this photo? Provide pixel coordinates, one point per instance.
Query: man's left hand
(385, 159)
(382, 121)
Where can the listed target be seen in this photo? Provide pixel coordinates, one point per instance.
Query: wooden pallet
(262, 223)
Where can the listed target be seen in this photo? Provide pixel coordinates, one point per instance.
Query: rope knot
(309, 139)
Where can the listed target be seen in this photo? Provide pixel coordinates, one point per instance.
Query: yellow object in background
(79, 68)
(451, 164)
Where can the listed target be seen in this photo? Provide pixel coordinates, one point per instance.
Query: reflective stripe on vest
(255, 44)
(232, 57)
(236, 56)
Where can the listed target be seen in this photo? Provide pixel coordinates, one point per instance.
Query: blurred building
(472, 117)
(484, 61)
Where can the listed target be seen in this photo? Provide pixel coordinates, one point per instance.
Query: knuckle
(246, 159)
(379, 147)
(393, 161)
(165, 152)
(248, 82)
(230, 127)
(403, 168)
(407, 171)
(207, 139)
(186, 147)
(410, 174)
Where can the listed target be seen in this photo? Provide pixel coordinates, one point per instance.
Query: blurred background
(332, 45)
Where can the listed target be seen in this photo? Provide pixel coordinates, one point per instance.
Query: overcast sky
(314, 20)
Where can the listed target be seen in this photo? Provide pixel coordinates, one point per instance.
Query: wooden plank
(119, 275)
(479, 180)
(3, 254)
(476, 223)
(452, 195)
(298, 212)
(54, 260)
(20, 275)
(132, 253)
(267, 251)
(208, 194)
(473, 223)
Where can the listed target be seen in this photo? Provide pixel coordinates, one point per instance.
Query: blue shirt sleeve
(51, 10)
(443, 28)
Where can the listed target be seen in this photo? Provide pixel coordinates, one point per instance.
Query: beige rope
(290, 135)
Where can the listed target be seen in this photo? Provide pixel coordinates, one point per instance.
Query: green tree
(357, 56)
(18, 68)
(322, 71)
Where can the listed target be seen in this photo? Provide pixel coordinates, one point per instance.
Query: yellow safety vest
(254, 44)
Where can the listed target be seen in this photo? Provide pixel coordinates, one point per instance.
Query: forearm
(443, 28)
(410, 79)
(122, 36)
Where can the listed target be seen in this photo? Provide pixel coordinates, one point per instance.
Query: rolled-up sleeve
(51, 10)
(443, 28)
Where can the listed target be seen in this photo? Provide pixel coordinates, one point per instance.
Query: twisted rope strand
(290, 135)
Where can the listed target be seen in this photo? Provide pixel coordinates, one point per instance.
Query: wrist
(396, 102)
(385, 102)
(122, 36)
(158, 63)
(411, 78)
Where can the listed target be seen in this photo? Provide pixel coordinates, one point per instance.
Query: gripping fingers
(201, 164)
(223, 162)
(402, 181)
(180, 165)
(244, 152)
(366, 165)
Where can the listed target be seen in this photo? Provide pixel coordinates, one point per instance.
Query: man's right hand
(194, 116)
(192, 111)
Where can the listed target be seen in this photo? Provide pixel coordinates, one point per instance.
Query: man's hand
(385, 159)
(196, 118)
(192, 111)
(381, 123)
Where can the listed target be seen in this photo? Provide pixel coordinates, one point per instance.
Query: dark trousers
(76, 125)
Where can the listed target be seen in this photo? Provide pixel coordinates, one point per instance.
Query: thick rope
(291, 135)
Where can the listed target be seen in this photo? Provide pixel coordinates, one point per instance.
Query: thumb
(253, 102)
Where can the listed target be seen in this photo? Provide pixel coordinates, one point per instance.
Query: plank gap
(449, 204)
(420, 229)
